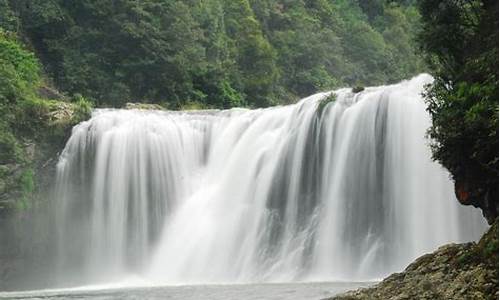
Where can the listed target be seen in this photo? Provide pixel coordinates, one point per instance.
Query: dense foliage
(461, 40)
(216, 53)
(25, 119)
(19, 75)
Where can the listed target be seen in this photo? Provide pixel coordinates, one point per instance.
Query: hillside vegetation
(460, 41)
(34, 123)
(216, 53)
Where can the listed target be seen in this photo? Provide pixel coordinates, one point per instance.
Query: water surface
(268, 291)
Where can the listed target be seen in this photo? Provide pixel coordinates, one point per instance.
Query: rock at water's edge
(454, 271)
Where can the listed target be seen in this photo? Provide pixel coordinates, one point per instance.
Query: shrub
(325, 101)
(82, 108)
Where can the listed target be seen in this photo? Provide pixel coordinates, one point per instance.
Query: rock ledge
(454, 271)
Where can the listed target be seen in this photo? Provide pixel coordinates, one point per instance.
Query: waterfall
(347, 191)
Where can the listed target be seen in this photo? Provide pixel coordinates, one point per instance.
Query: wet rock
(358, 89)
(454, 271)
(144, 106)
(484, 198)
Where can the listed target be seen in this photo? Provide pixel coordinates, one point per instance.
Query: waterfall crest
(346, 192)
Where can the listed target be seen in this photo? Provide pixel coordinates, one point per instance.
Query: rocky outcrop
(26, 181)
(454, 271)
(484, 198)
(47, 92)
(145, 106)
(30, 174)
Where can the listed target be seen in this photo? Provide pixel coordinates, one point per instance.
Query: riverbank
(454, 271)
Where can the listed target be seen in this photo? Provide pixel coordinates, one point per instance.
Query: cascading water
(345, 192)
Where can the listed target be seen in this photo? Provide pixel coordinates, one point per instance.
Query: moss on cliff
(26, 170)
(325, 101)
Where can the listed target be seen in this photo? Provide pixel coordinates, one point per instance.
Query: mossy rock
(143, 106)
(325, 101)
(487, 247)
(358, 89)
(454, 271)
(47, 92)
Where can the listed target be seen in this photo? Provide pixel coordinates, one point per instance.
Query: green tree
(217, 53)
(255, 56)
(19, 76)
(461, 41)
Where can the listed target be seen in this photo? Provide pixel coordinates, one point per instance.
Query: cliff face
(454, 271)
(23, 182)
(479, 195)
(25, 189)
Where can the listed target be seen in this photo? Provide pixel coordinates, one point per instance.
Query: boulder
(454, 271)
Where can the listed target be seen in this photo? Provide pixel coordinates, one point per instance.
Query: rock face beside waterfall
(454, 271)
(22, 182)
(25, 187)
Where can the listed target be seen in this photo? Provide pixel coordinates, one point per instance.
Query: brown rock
(454, 271)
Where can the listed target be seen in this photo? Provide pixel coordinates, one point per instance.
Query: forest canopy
(216, 53)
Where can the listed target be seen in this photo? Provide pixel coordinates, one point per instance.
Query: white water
(255, 291)
(268, 195)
